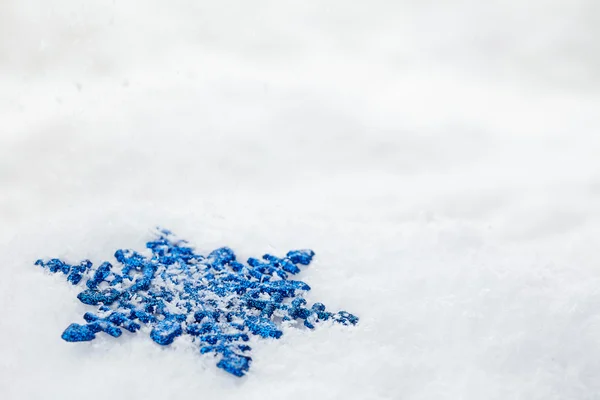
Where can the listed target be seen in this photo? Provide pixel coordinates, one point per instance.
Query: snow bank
(440, 157)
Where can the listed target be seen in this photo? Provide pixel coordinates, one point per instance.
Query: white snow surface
(440, 157)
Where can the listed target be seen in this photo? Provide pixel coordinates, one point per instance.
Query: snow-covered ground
(441, 158)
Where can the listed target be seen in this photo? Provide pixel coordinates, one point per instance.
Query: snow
(440, 157)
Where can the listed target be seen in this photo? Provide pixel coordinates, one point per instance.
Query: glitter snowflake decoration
(215, 299)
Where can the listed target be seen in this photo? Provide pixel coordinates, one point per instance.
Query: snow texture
(216, 299)
(440, 157)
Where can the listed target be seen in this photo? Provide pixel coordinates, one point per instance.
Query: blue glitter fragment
(166, 330)
(216, 300)
(78, 333)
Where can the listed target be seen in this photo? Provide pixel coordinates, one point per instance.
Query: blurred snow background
(441, 157)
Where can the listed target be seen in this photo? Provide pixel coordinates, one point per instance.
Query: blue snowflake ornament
(215, 299)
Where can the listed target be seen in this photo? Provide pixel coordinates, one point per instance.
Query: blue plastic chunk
(77, 272)
(95, 297)
(100, 275)
(220, 257)
(78, 333)
(303, 257)
(166, 331)
(345, 318)
(263, 327)
(105, 326)
(120, 319)
(235, 364)
(216, 300)
(55, 265)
